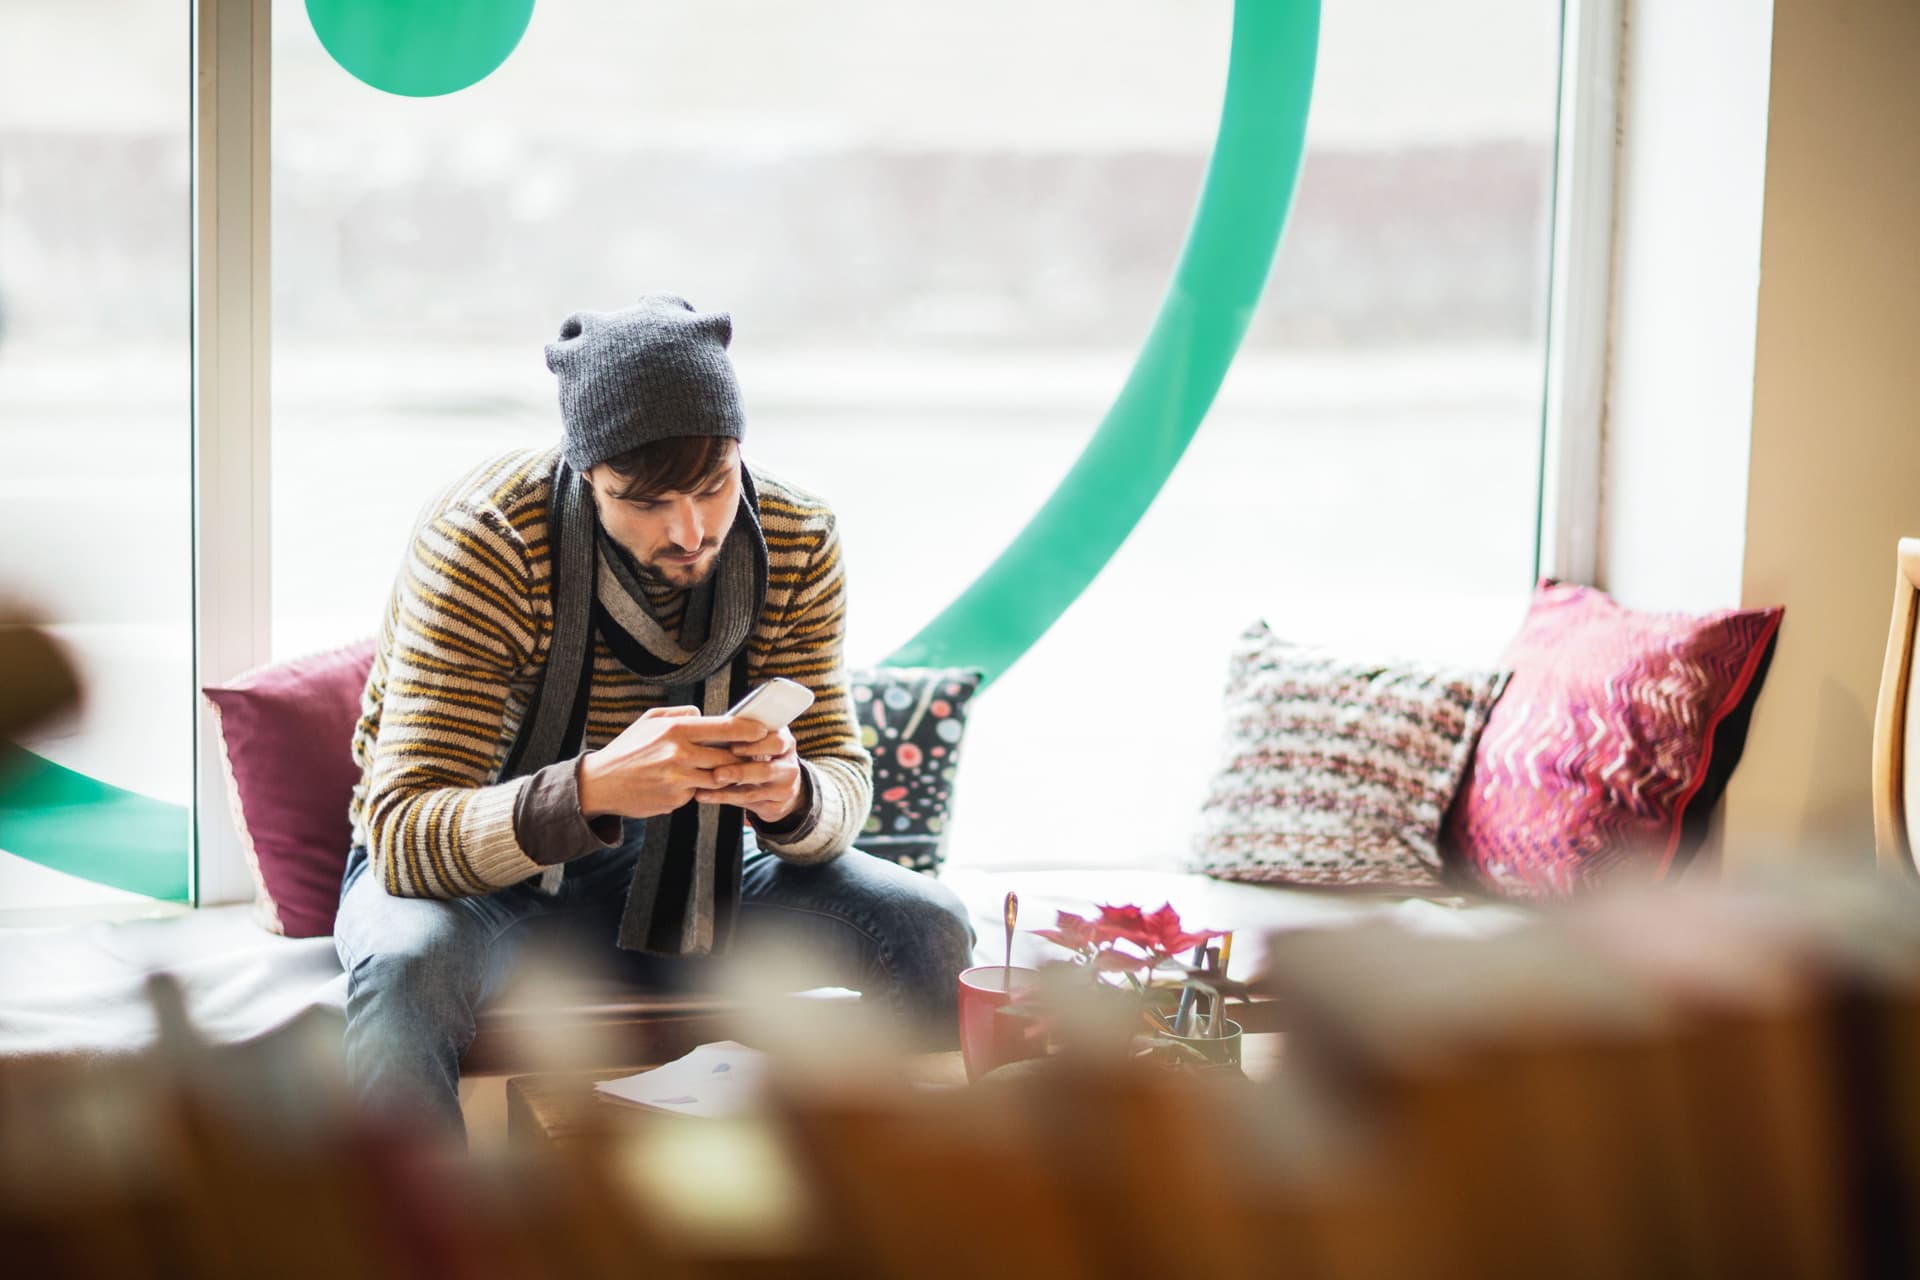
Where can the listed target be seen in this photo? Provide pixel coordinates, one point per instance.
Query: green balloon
(420, 48)
(58, 818)
(1223, 268)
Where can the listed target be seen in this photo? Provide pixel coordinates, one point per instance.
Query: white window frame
(232, 405)
(233, 343)
(1580, 293)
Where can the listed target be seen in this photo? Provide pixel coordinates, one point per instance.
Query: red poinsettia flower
(1120, 924)
(1075, 933)
(1151, 940)
(1158, 934)
(1164, 936)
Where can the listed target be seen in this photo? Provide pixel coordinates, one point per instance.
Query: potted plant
(1127, 988)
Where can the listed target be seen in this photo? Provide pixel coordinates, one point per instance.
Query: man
(544, 735)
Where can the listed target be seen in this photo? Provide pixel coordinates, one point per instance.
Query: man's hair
(683, 464)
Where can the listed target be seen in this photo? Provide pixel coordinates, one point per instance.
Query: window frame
(232, 405)
(1580, 291)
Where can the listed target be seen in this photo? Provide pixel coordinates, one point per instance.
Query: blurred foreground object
(37, 682)
(1702, 1081)
(1716, 1082)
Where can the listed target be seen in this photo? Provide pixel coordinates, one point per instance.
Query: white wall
(1835, 473)
(1689, 186)
(1763, 440)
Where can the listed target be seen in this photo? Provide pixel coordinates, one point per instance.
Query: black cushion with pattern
(912, 720)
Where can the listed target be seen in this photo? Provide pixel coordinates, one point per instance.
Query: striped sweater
(466, 634)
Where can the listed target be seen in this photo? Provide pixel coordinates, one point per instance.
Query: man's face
(675, 537)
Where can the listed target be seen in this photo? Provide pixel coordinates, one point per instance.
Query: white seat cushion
(82, 988)
(1250, 910)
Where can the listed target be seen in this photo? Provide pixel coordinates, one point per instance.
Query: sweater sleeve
(461, 626)
(809, 648)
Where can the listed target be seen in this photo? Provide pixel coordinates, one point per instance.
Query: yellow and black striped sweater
(466, 634)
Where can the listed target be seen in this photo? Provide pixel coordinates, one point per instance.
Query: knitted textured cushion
(1338, 771)
(286, 734)
(911, 719)
(1612, 745)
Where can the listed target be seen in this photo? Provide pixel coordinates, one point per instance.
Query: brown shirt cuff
(801, 822)
(548, 823)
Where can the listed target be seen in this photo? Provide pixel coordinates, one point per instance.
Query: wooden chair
(1896, 733)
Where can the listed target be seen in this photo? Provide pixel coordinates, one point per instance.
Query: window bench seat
(79, 990)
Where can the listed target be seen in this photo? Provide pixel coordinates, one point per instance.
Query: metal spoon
(1013, 914)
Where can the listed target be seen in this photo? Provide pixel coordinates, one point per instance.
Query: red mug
(988, 1037)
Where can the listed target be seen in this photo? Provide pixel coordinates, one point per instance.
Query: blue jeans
(418, 969)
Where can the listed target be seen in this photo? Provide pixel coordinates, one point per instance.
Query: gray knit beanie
(652, 371)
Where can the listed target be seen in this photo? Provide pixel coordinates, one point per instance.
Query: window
(95, 423)
(942, 247)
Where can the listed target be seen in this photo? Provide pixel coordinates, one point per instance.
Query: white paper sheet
(715, 1080)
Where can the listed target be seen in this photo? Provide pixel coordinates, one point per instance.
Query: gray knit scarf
(685, 893)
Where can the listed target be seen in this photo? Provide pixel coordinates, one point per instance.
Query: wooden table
(562, 1106)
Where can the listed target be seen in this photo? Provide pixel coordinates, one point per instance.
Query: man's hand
(667, 757)
(765, 777)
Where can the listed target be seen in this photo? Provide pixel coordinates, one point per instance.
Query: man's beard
(682, 576)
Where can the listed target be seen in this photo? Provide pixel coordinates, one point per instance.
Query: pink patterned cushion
(286, 734)
(1611, 745)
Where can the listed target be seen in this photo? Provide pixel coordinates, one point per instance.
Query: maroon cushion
(1613, 741)
(286, 734)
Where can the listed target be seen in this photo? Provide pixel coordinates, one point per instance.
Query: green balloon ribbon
(1243, 208)
(420, 48)
(73, 823)
(82, 826)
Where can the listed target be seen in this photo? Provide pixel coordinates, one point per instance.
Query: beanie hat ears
(717, 325)
(572, 329)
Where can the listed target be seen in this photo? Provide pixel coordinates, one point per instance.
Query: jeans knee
(933, 920)
(433, 984)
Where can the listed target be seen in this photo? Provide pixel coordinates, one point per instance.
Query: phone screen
(776, 704)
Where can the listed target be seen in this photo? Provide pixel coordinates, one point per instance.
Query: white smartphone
(775, 704)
